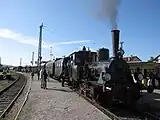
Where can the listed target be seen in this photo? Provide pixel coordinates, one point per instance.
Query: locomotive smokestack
(115, 42)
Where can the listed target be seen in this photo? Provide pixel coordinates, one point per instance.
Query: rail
(10, 85)
(25, 100)
(16, 88)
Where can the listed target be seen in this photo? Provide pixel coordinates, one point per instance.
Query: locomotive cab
(77, 65)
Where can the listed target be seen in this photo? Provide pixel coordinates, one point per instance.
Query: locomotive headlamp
(140, 77)
(107, 76)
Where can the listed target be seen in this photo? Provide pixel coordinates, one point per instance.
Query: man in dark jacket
(44, 79)
(62, 78)
(38, 74)
(41, 76)
(32, 75)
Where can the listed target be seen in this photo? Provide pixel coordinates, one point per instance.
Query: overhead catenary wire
(47, 29)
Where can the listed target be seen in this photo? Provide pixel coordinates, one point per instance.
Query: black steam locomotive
(99, 77)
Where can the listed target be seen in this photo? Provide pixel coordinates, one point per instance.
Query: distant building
(156, 59)
(132, 59)
(135, 62)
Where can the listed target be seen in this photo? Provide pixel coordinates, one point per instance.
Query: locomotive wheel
(150, 89)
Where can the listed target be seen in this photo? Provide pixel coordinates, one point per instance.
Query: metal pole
(32, 58)
(20, 61)
(32, 61)
(40, 47)
(51, 54)
(0, 60)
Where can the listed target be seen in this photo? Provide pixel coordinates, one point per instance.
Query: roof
(144, 63)
(156, 58)
(132, 58)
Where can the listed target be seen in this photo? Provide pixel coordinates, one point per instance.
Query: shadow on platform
(152, 96)
(51, 81)
(150, 102)
(59, 90)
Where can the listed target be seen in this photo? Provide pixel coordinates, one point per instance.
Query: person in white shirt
(40, 74)
(41, 77)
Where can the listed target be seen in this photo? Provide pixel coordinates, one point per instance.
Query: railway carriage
(50, 68)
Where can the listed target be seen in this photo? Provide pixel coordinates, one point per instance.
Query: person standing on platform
(38, 74)
(62, 76)
(45, 79)
(41, 78)
(32, 74)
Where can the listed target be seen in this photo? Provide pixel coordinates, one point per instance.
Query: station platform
(57, 103)
(151, 99)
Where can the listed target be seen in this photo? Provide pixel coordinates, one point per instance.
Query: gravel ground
(57, 103)
(18, 103)
(4, 83)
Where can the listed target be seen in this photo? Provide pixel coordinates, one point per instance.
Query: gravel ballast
(13, 111)
(58, 103)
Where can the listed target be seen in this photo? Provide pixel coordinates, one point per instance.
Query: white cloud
(8, 34)
(72, 42)
(11, 35)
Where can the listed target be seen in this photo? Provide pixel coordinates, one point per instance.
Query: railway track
(10, 93)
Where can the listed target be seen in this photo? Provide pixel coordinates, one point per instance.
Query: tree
(151, 59)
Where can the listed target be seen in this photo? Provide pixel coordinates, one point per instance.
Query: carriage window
(61, 63)
(73, 56)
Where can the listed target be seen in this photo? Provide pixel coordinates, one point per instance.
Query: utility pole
(0, 60)
(51, 55)
(32, 62)
(20, 61)
(40, 48)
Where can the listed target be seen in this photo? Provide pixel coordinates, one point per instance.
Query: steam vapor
(109, 11)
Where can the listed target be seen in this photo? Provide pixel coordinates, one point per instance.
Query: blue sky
(75, 20)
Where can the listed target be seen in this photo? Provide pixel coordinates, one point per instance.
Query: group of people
(154, 75)
(42, 75)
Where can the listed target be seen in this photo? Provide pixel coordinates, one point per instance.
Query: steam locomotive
(98, 77)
